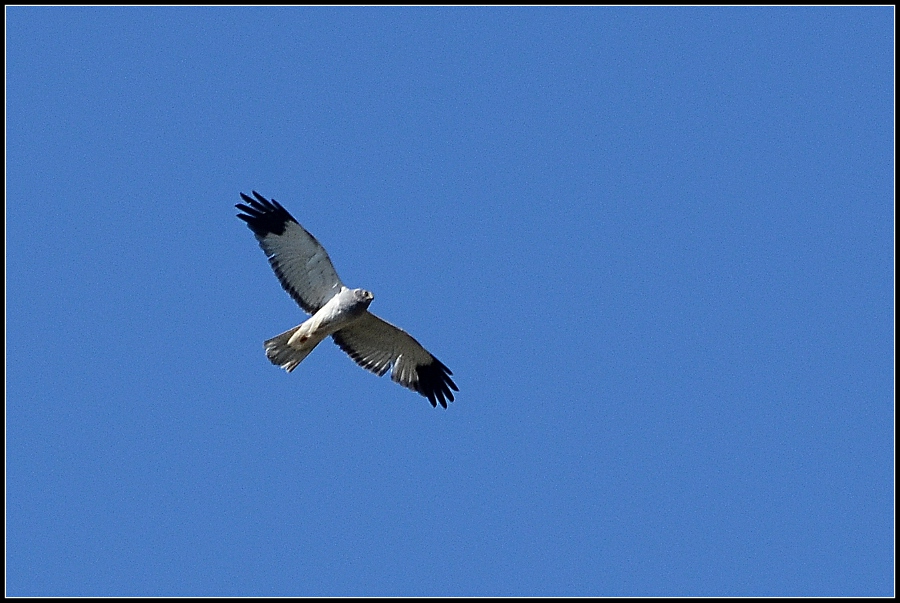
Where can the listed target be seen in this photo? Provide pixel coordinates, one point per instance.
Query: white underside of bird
(288, 349)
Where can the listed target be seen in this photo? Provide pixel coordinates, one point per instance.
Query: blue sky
(654, 246)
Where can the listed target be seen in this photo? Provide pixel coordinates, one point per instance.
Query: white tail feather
(287, 354)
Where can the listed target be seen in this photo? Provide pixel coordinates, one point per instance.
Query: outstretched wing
(376, 345)
(298, 259)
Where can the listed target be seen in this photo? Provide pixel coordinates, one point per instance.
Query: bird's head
(362, 296)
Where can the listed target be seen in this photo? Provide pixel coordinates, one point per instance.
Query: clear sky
(654, 246)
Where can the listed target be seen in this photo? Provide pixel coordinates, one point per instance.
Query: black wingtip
(264, 216)
(435, 383)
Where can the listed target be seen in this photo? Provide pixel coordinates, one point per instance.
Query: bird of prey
(305, 271)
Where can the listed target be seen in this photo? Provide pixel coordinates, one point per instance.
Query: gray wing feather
(300, 262)
(377, 345)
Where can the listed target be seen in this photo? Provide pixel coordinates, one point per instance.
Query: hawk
(305, 271)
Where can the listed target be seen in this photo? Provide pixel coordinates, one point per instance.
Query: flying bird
(305, 271)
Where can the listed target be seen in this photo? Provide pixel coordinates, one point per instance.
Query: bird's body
(289, 348)
(307, 274)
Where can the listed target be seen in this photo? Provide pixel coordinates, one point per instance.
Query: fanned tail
(281, 352)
